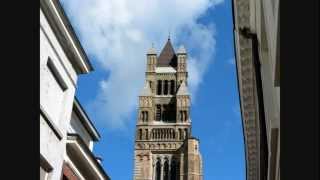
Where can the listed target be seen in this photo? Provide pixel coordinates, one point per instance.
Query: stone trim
(247, 86)
(45, 164)
(75, 138)
(66, 35)
(50, 123)
(85, 120)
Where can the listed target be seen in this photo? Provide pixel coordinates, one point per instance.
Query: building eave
(66, 36)
(246, 86)
(74, 141)
(85, 120)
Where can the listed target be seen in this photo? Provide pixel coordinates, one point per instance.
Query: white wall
(77, 127)
(57, 103)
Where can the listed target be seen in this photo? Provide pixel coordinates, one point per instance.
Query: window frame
(57, 76)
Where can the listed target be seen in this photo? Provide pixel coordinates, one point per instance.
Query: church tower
(164, 146)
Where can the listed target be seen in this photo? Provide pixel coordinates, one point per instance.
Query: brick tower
(164, 146)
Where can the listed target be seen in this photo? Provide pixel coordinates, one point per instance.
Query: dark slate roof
(167, 56)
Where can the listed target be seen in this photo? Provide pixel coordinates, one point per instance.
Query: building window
(55, 73)
(146, 134)
(180, 134)
(159, 87)
(158, 170)
(185, 133)
(166, 87)
(172, 88)
(146, 116)
(151, 86)
(166, 170)
(165, 113)
(158, 112)
(140, 134)
(173, 170)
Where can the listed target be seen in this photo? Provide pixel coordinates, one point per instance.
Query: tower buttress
(182, 74)
(151, 66)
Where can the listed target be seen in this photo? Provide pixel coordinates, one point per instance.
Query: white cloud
(119, 32)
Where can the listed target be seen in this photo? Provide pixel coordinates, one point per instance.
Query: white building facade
(62, 60)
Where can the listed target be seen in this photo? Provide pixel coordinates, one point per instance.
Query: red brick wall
(68, 174)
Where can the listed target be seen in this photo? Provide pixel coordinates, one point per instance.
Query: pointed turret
(146, 91)
(183, 89)
(151, 59)
(167, 56)
(152, 51)
(182, 50)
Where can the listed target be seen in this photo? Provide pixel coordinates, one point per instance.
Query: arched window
(158, 170)
(159, 87)
(158, 112)
(158, 134)
(180, 116)
(150, 85)
(146, 116)
(178, 170)
(166, 170)
(165, 92)
(184, 115)
(174, 134)
(173, 174)
(165, 113)
(161, 134)
(185, 133)
(140, 134)
(146, 134)
(172, 86)
(180, 134)
(141, 115)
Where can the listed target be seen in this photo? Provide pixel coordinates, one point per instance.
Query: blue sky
(116, 36)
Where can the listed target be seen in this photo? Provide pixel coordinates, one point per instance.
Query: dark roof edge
(85, 120)
(76, 137)
(56, 26)
(192, 137)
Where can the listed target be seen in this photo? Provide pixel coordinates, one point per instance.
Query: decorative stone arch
(158, 169)
(140, 134)
(166, 164)
(180, 134)
(173, 169)
(146, 134)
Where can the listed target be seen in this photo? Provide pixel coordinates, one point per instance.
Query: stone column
(169, 172)
(181, 166)
(169, 88)
(161, 172)
(154, 171)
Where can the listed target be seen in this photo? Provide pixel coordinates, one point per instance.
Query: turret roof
(146, 91)
(167, 56)
(183, 89)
